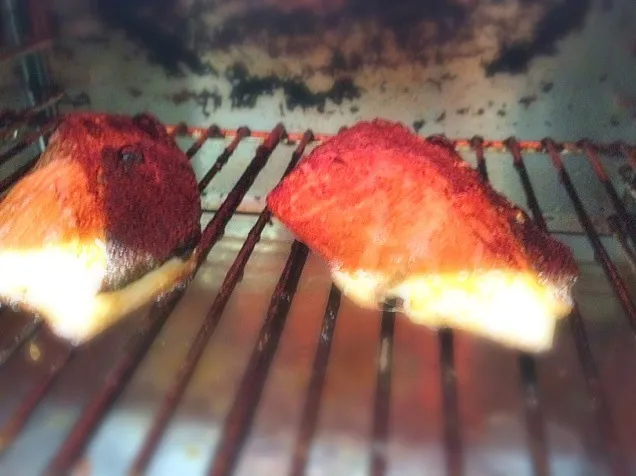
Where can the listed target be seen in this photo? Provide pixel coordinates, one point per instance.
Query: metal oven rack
(612, 453)
(407, 400)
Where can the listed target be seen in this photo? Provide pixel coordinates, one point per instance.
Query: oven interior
(260, 366)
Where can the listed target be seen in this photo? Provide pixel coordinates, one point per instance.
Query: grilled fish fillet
(398, 216)
(106, 221)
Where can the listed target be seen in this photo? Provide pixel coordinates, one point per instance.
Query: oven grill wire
(19, 52)
(527, 367)
(616, 459)
(238, 422)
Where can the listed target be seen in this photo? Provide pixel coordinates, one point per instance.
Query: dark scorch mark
(155, 26)
(341, 63)
(205, 99)
(439, 82)
(246, 89)
(527, 100)
(299, 28)
(418, 125)
(565, 17)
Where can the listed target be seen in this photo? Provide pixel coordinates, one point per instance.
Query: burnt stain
(480, 112)
(463, 111)
(155, 26)
(441, 117)
(341, 63)
(501, 113)
(299, 27)
(247, 89)
(546, 87)
(603, 77)
(526, 101)
(418, 125)
(205, 99)
(354, 109)
(338, 61)
(614, 121)
(175, 34)
(77, 101)
(559, 21)
(448, 77)
(436, 83)
(135, 92)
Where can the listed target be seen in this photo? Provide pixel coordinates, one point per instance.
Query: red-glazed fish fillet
(396, 215)
(100, 226)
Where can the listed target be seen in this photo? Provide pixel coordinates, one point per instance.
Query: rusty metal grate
(240, 417)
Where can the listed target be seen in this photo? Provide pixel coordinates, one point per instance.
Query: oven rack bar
(19, 52)
(610, 149)
(618, 149)
(17, 120)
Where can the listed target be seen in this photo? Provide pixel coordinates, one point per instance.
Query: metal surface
(260, 367)
(26, 40)
(18, 52)
(527, 366)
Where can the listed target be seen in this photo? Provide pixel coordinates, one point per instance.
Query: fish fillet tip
(77, 319)
(511, 308)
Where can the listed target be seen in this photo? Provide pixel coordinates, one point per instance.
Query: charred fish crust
(130, 155)
(109, 154)
(90, 126)
(184, 251)
(149, 124)
(118, 123)
(125, 265)
(442, 141)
